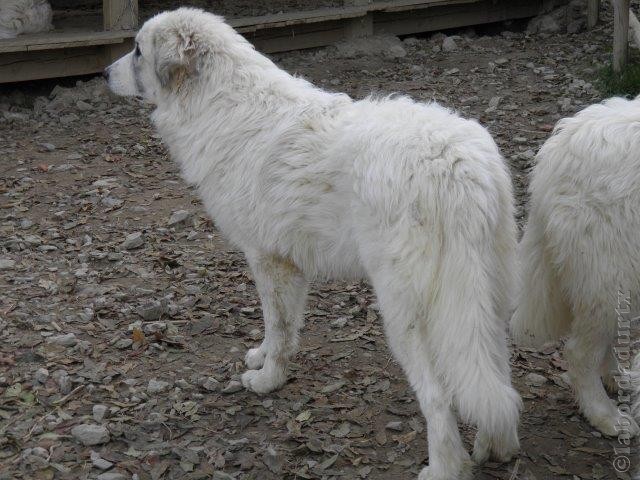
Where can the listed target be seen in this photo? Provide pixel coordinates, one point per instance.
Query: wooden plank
(120, 14)
(361, 26)
(274, 33)
(312, 35)
(593, 13)
(455, 16)
(21, 66)
(620, 34)
(252, 24)
(281, 41)
(57, 40)
(634, 29)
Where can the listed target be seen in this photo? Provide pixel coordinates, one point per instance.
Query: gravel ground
(125, 317)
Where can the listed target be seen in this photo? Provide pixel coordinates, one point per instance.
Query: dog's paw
(254, 359)
(500, 448)
(615, 424)
(465, 472)
(262, 381)
(481, 448)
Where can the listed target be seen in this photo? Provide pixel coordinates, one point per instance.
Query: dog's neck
(231, 109)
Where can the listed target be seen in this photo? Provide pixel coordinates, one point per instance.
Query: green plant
(625, 83)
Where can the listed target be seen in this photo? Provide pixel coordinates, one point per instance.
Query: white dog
(311, 185)
(24, 16)
(581, 250)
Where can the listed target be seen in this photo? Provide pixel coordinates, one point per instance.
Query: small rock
(39, 452)
(211, 384)
(42, 375)
(183, 384)
(15, 116)
(66, 340)
(25, 223)
(154, 327)
(100, 462)
(494, 102)
(339, 322)
(151, 311)
(157, 386)
(535, 379)
(395, 426)
(99, 412)
(62, 379)
(124, 343)
(7, 263)
(113, 476)
(112, 202)
(48, 147)
(179, 216)
(88, 434)
(84, 106)
(132, 241)
(449, 45)
(233, 387)
(220, 475)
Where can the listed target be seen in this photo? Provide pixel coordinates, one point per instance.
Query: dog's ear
(176, 58)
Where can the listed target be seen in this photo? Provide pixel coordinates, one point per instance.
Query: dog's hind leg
(586, 349)
(404, 325)
(283, 291)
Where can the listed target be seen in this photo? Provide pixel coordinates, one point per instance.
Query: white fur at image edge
(580, 252)
(18, 17)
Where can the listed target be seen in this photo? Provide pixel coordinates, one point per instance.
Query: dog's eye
(138, 51)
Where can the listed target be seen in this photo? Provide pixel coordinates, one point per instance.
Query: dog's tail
(467, 317)
(542, 314)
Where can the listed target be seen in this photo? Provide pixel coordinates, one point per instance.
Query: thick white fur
(24, 16)
(581, 248)
(313, 185)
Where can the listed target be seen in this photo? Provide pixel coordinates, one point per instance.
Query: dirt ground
(123, 308)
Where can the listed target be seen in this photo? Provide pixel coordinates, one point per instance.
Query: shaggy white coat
(581, 251)
(24, 16)
(312, 185)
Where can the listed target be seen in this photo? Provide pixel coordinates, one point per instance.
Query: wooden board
(620, 34)
(66, 39)
(398, 22)
(120, 14)
(20, 66)
(455, 16)
(76, 52)
(252, 24)
(593, 12)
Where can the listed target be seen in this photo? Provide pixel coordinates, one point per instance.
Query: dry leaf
(137, 336)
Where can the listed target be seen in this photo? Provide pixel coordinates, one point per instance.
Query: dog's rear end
(580, 250)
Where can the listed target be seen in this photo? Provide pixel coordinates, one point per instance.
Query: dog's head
(170, 51)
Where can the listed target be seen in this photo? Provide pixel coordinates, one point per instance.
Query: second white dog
(313, 185)
(24, 16)
(581, 251)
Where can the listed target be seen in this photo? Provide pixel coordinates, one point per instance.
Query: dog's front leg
(283, 291)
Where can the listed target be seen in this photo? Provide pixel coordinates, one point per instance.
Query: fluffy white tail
(467, 324)
(542, 314)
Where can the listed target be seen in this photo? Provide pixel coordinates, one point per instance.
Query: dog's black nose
(105, 73)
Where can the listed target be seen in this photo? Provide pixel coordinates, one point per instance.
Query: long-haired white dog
(311, 185)
(24, 16)
(581, 250)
